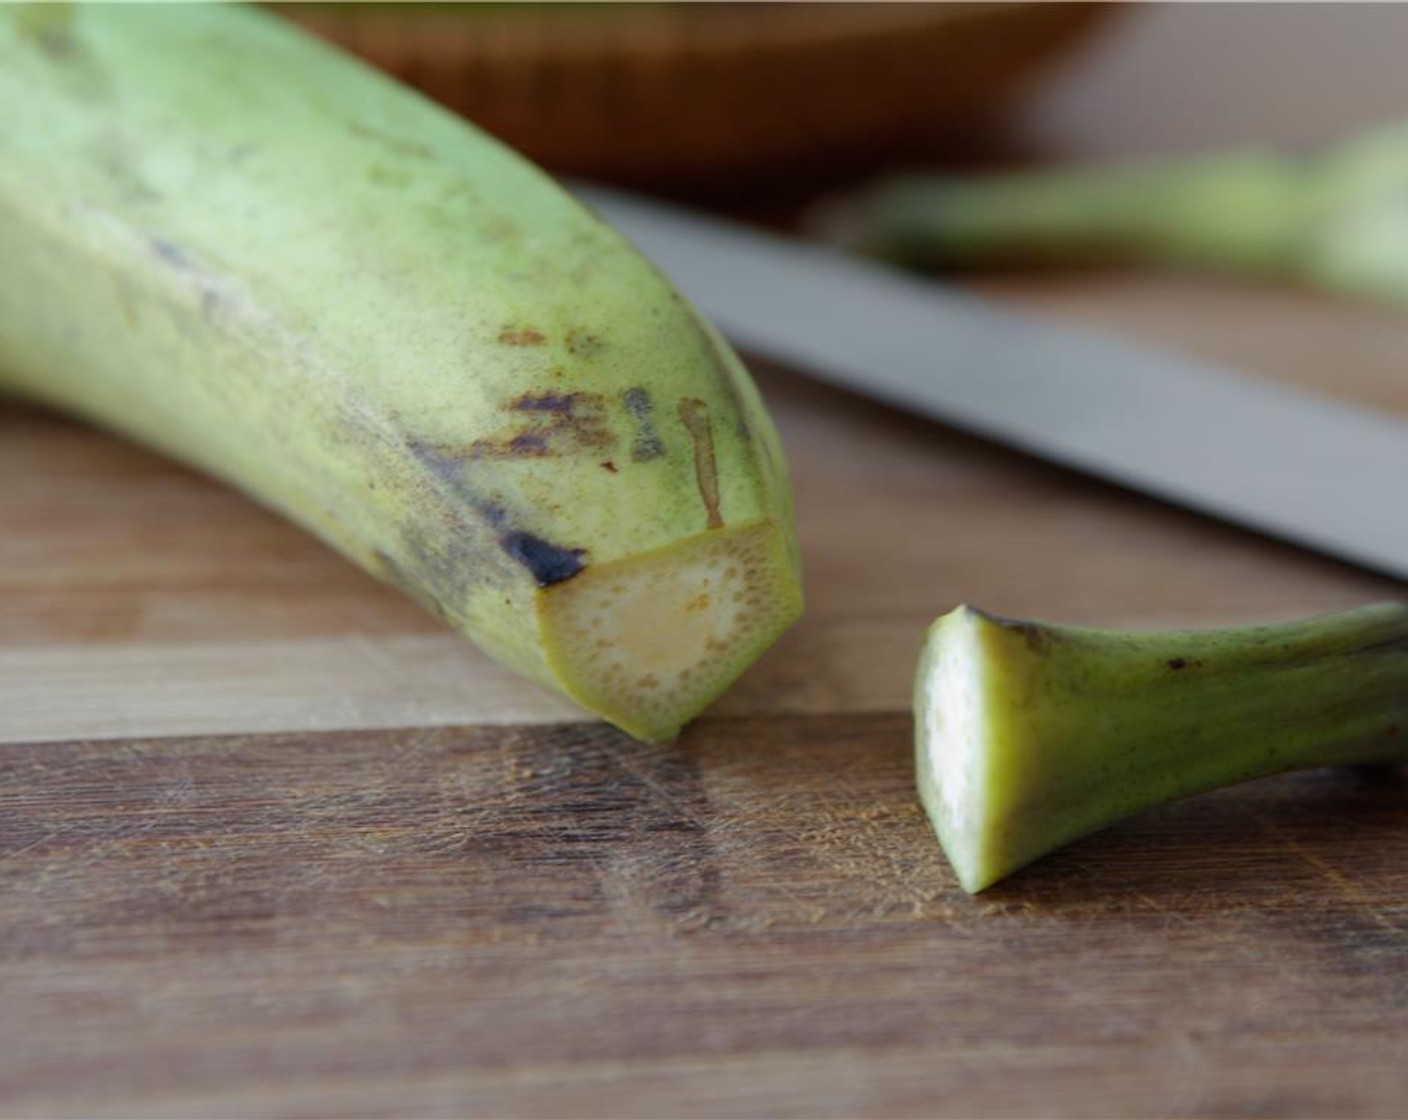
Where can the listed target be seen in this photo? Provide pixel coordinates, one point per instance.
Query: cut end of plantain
(649, 641)
(953, 737)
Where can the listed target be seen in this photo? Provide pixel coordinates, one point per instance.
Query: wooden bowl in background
(655, 94)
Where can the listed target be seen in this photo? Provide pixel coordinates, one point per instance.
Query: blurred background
(702, 98)
(750, 102)
(1180, 77)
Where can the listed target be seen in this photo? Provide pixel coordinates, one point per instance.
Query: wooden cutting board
(273, 843)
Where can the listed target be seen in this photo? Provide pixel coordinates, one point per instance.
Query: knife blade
(1291, 464)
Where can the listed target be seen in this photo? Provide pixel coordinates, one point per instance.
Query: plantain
(229, 241)
(1334, 219)
(1031, 735)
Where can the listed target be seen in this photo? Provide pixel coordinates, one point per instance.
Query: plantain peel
(1031, 735)
(239, 246)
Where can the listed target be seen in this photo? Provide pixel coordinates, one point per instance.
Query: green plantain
(233, 243)
(1030, 735)
(1335, 219)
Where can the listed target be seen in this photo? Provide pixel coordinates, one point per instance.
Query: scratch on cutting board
(1345, 887)
(661, 795)
(54, 835)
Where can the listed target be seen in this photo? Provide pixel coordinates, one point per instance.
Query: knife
(1291, 464)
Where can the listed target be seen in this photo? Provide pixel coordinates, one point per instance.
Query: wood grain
(753, 922)
(273, 843)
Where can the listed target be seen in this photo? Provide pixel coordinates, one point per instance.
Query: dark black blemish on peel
(1178, 663)
(547, 563)
(560, 403)
(545, 425)
(528, 444)
(549, 424)
(640, 408)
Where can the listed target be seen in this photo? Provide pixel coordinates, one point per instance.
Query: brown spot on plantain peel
(694, 414)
